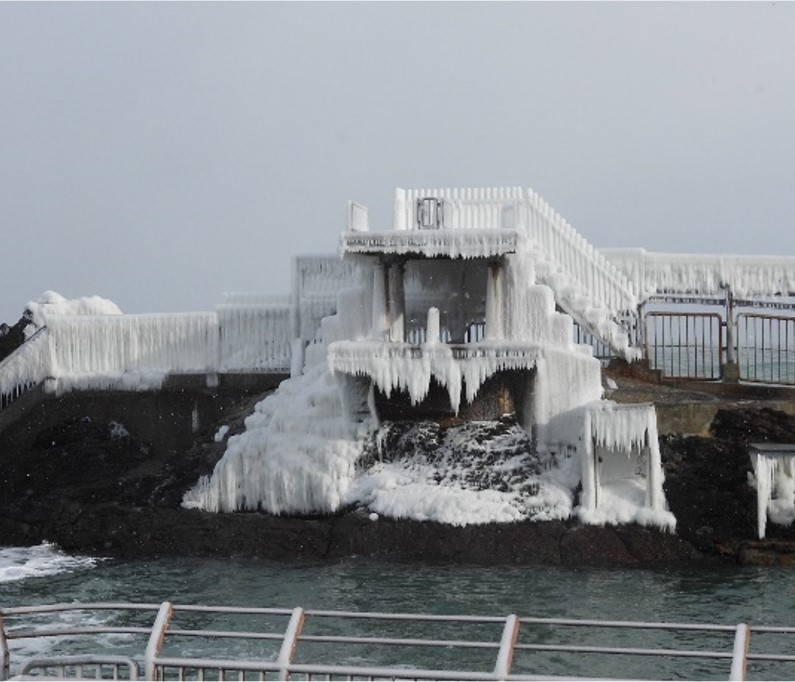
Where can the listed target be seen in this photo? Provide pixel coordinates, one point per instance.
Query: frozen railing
(255, 336)
(466, 208)
(594, 276)
(26, 367)
(169, 641)
(139, 351)
(705, 274)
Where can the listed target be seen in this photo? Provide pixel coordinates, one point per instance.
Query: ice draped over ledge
(410, 368)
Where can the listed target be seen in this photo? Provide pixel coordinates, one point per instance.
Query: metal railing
(168, 641)
(685, 345)
(766, 348)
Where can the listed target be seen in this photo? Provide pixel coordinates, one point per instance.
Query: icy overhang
(432, 243)
(408, 367)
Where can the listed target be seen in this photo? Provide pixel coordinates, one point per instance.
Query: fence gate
(766, 348)
(685, 345)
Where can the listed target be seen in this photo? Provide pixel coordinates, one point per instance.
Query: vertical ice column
(380, 321)
(397, 302)
(400, 221)
(432, 333)
(494, 321)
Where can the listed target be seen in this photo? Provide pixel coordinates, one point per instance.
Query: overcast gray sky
(161, 154)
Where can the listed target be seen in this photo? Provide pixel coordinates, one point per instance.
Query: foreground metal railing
(167, 641)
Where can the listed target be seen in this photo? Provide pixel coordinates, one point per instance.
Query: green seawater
(757, 596)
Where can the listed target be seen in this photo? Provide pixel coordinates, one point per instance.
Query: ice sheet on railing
(255, 336)
(186, 342)
(705, 274)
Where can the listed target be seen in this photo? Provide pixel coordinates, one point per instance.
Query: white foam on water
(21, 563)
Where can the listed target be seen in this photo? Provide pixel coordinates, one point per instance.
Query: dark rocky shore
(90, 486)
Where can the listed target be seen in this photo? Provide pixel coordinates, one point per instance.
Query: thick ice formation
(297, 455)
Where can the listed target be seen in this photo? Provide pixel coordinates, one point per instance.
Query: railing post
(742, 638)
(5, 660)
(291, 635)
(505, 655)
(156, 638)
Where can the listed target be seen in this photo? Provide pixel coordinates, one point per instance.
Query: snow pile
(296, 456)
(704, 274)
(51, 303)
(481, 472)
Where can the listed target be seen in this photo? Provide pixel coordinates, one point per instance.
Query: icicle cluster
(775, 490)
(409, 368)
(622, 473)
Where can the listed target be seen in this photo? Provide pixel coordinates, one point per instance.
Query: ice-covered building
(463, 310)
(463, 314)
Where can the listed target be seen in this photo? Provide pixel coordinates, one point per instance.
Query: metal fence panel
(685, 345)
(766, 348)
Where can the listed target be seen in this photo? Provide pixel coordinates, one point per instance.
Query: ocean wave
(20, 563)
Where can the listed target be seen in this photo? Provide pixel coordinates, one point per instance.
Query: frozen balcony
(437, 226)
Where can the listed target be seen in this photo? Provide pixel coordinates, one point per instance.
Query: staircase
(585, 284)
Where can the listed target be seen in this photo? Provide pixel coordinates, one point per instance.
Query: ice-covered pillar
(432, 330)
(400, 222)
(380, 315)
(397, 302)
(494, 322)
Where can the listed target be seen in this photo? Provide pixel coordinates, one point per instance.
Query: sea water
(757, 596)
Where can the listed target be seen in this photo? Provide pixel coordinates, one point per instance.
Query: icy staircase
(586, 285)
